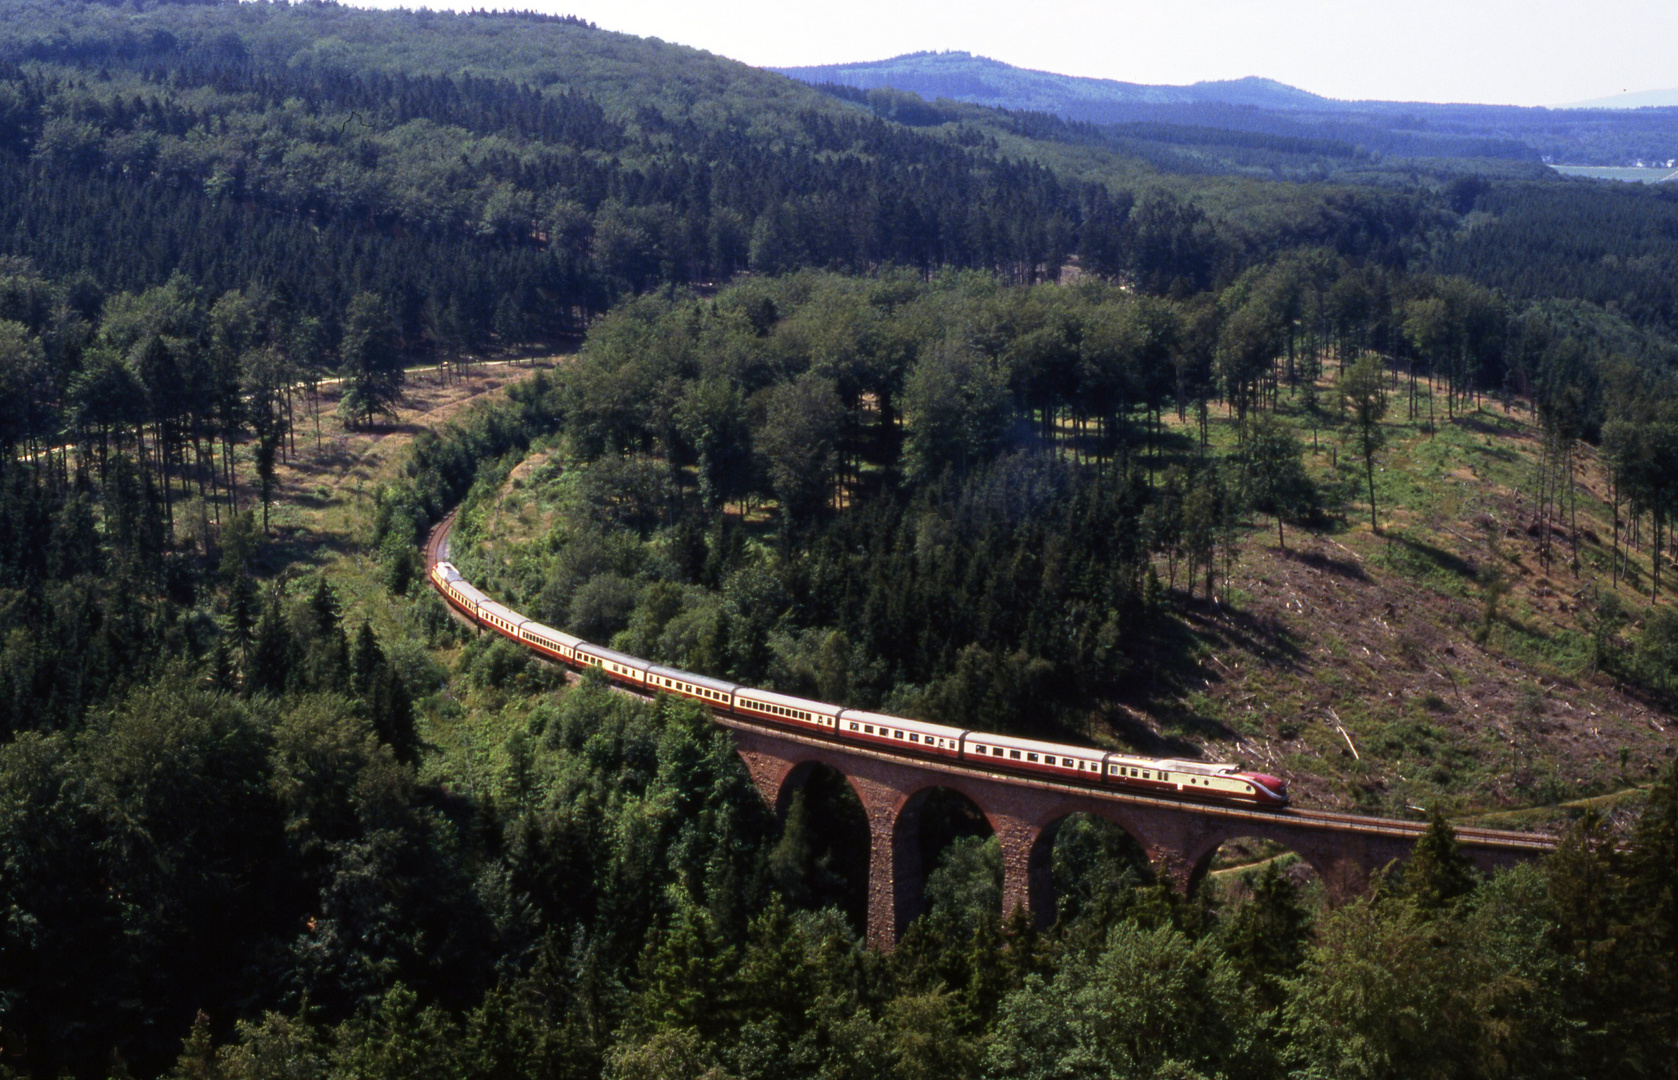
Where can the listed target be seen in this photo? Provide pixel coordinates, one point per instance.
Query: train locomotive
(894, 734)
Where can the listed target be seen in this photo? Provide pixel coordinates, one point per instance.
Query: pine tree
(1653, 863)
(243, 610)
(1588, 905)
(1437, 873)
(221, 667)
(1266, 937)
(393, 714)
(371, 362)
(1364, 393)
(272, 652)
(366, 658)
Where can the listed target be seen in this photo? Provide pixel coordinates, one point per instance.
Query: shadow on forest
(294, 546)
(1478, 426)
(311, 499)
(1316, 560)
(1172, 667)
(1259, 636)
(1434, 556)
(1150, 743)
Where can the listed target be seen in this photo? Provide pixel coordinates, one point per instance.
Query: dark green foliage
(1266, 937)
(1274, 474)
(1438, 873)
(369, 360)
(1653, 953)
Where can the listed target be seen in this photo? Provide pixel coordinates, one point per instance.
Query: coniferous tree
(1437, 872)
(1266, 938)
(273, 652)
(1366, 403)
(369, 360)
(1652, 862)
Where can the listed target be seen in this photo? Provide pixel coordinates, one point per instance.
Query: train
(1083, 766)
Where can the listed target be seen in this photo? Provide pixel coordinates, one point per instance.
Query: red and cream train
(1080, 765)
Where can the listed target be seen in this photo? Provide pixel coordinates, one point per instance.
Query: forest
(959, 413)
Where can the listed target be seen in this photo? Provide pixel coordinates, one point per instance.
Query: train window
(897, 734)
(1144, 774)
(1165, 776)
(1031, 757)
(1015, 754)
(913, 737)
(996, 751)
(868, 729)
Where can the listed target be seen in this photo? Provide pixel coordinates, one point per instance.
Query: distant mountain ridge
(961, 76)
(1613, 131)
(1641, 99)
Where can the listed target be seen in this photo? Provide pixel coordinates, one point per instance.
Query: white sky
(1522, 52)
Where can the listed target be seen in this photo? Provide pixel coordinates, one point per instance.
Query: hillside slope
(1445, 661)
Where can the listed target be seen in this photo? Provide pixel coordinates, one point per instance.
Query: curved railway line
(436, 551)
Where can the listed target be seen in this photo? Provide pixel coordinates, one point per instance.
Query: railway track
(436, 549)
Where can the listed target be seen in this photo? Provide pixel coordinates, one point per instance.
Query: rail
(437, 550)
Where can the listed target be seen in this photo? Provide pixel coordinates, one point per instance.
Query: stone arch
(1343, 868)
(930, 821)
(826, 846)
(1245, 852)
(1034, 882)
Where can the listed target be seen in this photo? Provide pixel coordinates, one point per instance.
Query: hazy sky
(1524, 52)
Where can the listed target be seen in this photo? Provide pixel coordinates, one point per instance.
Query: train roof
(470, 591)
(886, 720)
(545, 631)
(720, 685)
(821, 708)
(447, 571)
(604, 653)
(501, 610)
(1088, 753)
(1204, 768)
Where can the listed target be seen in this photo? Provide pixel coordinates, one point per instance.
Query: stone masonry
(1179, 838)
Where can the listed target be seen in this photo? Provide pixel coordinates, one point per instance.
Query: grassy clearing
(321, 522)
(1440, 661)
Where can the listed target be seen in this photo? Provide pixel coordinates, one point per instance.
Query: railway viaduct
(1025, 813)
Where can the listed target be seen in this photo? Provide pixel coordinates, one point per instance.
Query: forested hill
(499, 179)
(489, 175)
